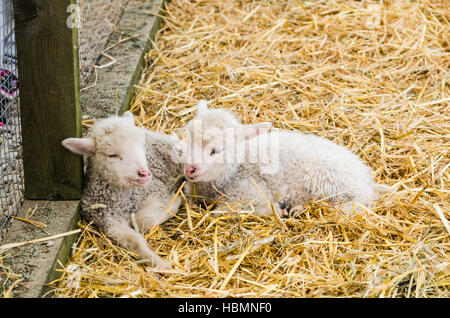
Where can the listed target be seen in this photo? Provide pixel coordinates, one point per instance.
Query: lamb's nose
(143, 173)
(191, 169)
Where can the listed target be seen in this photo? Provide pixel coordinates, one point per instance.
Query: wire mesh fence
(98, 20)
(11, 167)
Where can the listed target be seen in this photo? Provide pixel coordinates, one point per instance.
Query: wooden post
(47, 55)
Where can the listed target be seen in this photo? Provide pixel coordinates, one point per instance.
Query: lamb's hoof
(159, 263)
(283, 210)
(287, 211)
(165, 265)
(156, 264)
(296, 210)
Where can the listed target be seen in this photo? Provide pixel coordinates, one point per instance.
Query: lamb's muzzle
(192, 172)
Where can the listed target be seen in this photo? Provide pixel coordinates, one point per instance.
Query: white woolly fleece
(309, 167)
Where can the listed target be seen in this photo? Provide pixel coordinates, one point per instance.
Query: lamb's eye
(113, 155)
(215, 151)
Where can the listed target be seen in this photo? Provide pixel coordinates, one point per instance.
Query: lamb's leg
(258, 208)
(153, 211)
(349, 207)
(188, 189)
(264, 208)
(135, 242)
(252, 197)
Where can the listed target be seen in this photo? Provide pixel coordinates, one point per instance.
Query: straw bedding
(369, 75)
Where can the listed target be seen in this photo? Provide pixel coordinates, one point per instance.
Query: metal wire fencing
(11, 166)
(99, 19)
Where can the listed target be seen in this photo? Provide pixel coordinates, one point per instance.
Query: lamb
(129, 170)
(290, 169)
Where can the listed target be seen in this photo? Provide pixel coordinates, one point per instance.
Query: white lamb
(129, 170)
(245, 163)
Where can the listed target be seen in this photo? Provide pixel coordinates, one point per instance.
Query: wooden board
(38, 263)
(49, 98)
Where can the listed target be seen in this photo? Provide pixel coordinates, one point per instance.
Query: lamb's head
(214, 145)
(117, 150)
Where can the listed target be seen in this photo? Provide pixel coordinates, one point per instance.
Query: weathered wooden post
(47, 54)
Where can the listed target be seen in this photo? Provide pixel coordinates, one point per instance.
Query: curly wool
(104, 202)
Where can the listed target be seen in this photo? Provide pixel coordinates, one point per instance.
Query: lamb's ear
(129, 115)
(201, 107)
(252, 130)
(80, 146)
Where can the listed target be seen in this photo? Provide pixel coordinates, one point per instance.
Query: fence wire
(11, 166)
(99, 19)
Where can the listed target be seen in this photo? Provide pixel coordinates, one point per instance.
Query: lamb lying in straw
(277, 171)
(129, 170)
